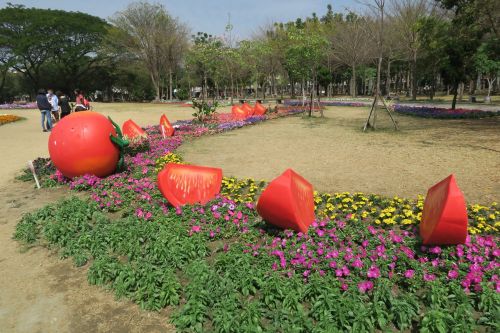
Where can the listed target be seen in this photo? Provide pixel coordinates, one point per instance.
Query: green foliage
(65, 41)
(219, 287)
(203, 110)
(182, 94)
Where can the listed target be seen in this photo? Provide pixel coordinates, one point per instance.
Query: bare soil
(336, 156)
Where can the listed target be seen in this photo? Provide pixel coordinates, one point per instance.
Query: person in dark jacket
(64, 104)
(44, 106)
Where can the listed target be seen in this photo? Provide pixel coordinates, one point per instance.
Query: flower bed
(360, 268)
(442, 113)
(9, 118)
(331, 103)
(18, 106)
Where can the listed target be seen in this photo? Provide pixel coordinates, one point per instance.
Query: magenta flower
(195, 228)
(365, 286)
(357, 263)
(409, 273)
(429, 277)
(373, 272)
(453, 274)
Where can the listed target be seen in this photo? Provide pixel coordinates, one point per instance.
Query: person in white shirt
(54, 101)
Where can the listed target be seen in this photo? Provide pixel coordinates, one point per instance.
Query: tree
(488, 65)
(465, 34)
(205, 58)
(433, 32)
(407, 15)
(33, 37)
(351, 45)
(151, 34)
(305, 53)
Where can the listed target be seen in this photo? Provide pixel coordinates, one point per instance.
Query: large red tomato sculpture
(85, 142)
(166, 128)
(183, 184)
(238, 112)
(247, 108)
(288, 202)
(131, 130)
(259, 109)
(444, 218)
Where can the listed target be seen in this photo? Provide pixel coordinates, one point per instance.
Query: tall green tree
(465, 36)
(33, 37)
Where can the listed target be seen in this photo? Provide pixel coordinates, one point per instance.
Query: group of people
(55, 106)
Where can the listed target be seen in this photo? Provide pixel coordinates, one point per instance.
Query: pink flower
(453, 274)
(373, 272)
(357, 263)
(429, 277)
(365, 286)
(409, 273)
(435, 250)
(196, 228)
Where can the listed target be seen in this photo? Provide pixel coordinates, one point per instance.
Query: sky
(209, 16)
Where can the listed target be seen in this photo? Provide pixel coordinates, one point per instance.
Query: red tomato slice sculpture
(183, 184)
(444, 218)
(247, 108)
(259, 109)
(166, 127)
(238, 113)
(80, 144)
(131, 130)
(288, 202)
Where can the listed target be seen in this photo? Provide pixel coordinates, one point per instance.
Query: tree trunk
(353, 81)
(232, 87)
(461, 91)
(170, 86)
(388, 79)
(414, 77)
(455, 93)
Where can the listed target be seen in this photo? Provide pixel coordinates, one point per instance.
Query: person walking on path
(54, 101)
(64, 104)
(44, 106)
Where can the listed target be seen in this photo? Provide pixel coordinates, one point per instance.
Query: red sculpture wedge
(131, 130)
(288, 202)
(444, 218)
(248, 109)
(238, 112)
(166, 128)
(259, 109)
(183, 184)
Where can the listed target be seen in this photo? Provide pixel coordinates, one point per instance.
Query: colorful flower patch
(442, 113)
(9, 118)
(18, 106)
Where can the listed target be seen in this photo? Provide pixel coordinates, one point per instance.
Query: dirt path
(335, 156)
(38, 291)
(41, 293)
